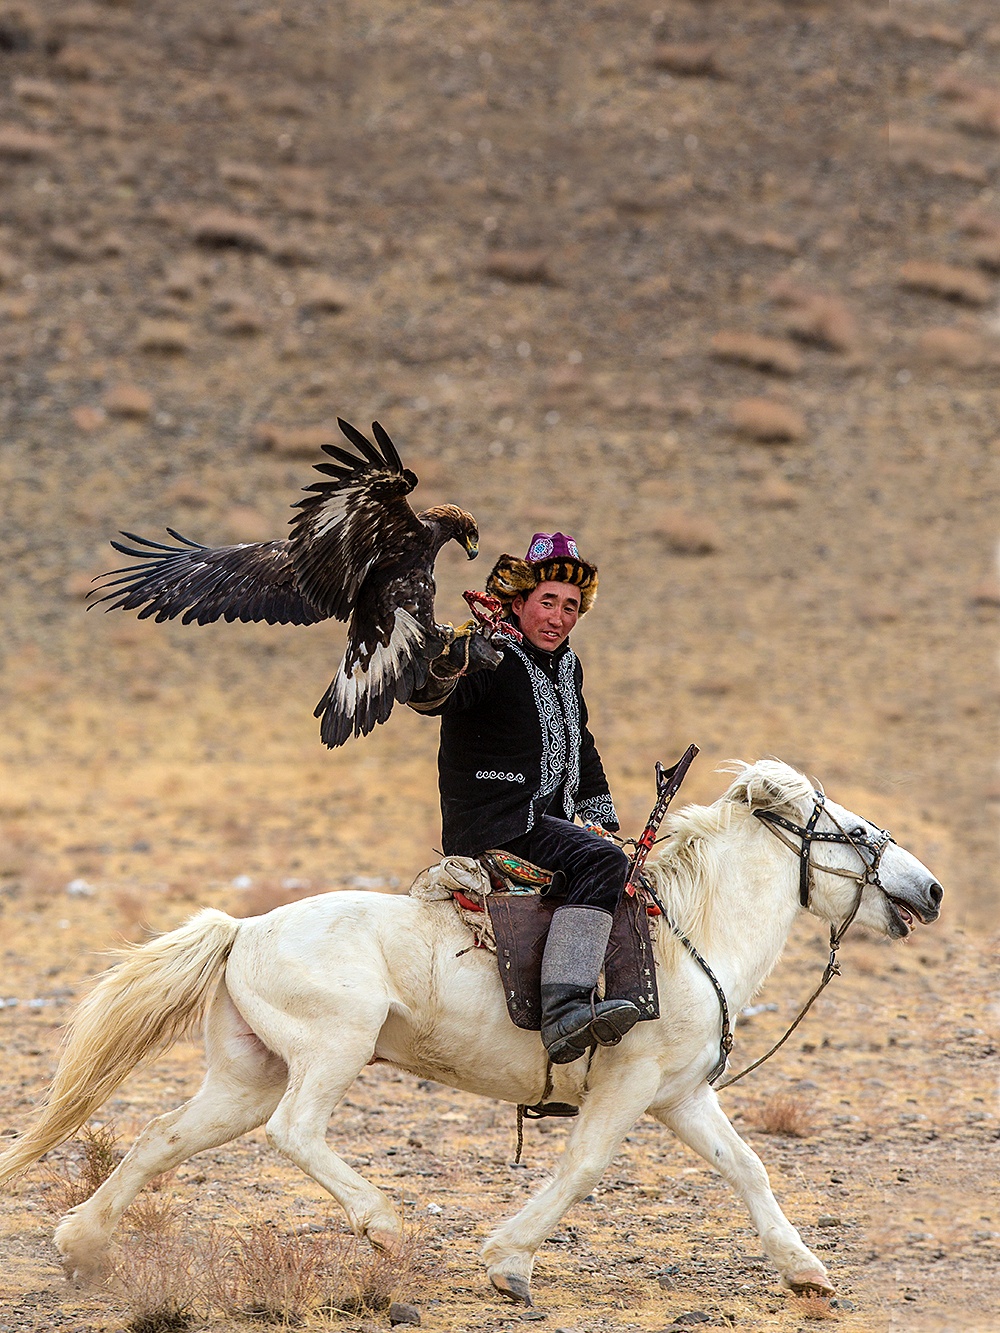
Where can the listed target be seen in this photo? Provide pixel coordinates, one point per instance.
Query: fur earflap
(511, 575)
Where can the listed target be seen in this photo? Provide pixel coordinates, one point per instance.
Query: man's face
(548, 614)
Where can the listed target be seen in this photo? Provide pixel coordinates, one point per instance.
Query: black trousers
(595, 869)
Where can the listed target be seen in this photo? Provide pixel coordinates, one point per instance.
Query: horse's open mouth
(905, 913)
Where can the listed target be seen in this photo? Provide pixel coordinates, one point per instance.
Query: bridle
(863, 842)
(860, 840)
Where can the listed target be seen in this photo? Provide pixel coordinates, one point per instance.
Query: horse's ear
(766, 785)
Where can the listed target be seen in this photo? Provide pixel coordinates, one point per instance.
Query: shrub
(766, 421)
(753, 349)
(686, 534)
(159, 1277)
(97, 1154)
(947, 280)
(785, 1114)
(952, 347)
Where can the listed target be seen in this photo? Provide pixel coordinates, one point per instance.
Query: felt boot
(573, 1019)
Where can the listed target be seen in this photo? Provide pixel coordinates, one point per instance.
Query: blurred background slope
(711, 286)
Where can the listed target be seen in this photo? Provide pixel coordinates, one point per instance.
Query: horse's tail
(150, 1000)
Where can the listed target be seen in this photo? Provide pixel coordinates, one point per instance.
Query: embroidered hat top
(552, 557)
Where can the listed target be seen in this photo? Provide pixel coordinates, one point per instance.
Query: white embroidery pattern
(488, 775)
(571, 713)
(559, 715)
(598, 810)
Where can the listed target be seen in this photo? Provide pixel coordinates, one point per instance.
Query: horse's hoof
(811, 1284)
(513, 1287)
(383, 1239)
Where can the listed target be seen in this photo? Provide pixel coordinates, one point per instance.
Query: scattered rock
(766, 421)
(170, 337)
(400, 1313)
(79, 62)
(826, 1220)
(948, 280)
(531, 1316)
(128, 400)
(688, 59)
(754, 349)
(692, 1317)
(221, 229)
(519, 266)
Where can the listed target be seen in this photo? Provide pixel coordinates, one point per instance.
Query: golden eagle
(356, 552)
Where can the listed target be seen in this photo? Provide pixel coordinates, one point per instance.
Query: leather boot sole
(607, 1029)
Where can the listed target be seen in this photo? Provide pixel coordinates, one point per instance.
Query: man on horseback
(517, 763)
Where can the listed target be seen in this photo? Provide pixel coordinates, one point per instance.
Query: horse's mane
(686, 873)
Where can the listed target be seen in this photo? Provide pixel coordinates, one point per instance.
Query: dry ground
(555, 249)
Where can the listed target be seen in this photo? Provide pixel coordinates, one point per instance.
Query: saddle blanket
(520, 914)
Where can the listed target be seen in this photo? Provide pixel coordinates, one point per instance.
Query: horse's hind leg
(702, 1124)
(330, 1053)
(243, 1084)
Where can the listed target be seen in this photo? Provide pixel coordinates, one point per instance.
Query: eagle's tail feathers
(358, 700)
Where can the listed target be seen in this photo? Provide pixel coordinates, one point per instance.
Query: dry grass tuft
(953, 347)
(814, 1306)
(294, 441)
(816, 317)
(19, 145)
(787, 1115)
(278, 1277)
(519, 266)
(170, 337)
(128, 400)
(159, 1277)
(686, 534)
(767, 422)
(264, 1274)
(221, 229)
(754, 349)
(96, 1153)
(947, 280)
(688, 59)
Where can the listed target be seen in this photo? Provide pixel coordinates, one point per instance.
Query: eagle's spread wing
(357, 522)
(255, 581)
(356, 551)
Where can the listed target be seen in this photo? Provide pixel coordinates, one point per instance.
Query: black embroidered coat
(514, 746)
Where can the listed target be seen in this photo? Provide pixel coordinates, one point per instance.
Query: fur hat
(552, 557)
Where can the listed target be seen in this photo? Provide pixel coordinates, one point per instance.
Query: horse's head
(840, 854)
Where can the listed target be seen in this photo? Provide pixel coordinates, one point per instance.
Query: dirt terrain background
(711, 286)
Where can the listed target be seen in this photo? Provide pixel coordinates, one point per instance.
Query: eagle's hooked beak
(472, 547)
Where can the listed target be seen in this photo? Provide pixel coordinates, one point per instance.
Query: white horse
(297, 1002)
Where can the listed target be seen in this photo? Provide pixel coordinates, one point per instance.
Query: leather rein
(863, 842)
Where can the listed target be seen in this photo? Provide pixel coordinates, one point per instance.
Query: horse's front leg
(621, 1089)
(702, 1124)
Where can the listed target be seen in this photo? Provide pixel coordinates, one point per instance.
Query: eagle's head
(453, 524)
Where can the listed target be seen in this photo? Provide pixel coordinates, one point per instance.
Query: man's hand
(469, 651)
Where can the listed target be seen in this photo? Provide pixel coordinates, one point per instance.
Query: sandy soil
(555, 250)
